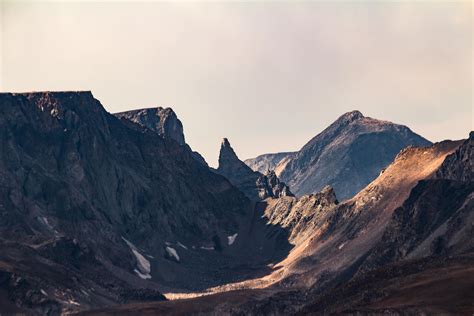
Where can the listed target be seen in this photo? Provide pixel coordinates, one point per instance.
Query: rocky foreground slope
(347, 155)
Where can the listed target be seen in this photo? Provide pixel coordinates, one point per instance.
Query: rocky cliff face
(299, 215)
(255, 185)
(347, 155)
(460, 165)
(162, 121)
(99, 212)
(96, 211)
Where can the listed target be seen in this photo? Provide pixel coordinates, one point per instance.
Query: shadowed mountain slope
(95, 211)
(255, 185)
(164, 122)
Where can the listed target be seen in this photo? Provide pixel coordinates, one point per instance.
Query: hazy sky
(269, 76)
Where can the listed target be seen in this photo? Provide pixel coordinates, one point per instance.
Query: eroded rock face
(78, 188)
(347, 155)
(301, 215)
(162, 121)
(255, 185)
(460, 165)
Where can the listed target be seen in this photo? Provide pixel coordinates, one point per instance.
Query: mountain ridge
(346, 155)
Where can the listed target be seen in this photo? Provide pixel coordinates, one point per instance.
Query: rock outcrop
(162, 121)
(347, 155)
(460, 165)
(299, 215)
(255, 185)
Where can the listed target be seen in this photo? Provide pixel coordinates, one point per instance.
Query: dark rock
(162, 121)
(254, 184)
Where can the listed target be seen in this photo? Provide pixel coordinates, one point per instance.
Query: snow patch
(207, 248)
(43, 292)
(43, 220)
(143, 264)
(340, 246)
(182, 246)
(72, 302)
(172, 253)
(231, 239)
(54, 112)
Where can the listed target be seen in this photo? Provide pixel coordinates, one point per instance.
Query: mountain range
(115, 214)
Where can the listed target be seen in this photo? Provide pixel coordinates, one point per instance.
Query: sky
(267, 75)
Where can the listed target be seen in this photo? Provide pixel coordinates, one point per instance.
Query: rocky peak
(163, 121)
(254, 184)
(351, 116)
(347, 155)
(227, 155)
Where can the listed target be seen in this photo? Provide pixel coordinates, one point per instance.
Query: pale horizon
(267, 76)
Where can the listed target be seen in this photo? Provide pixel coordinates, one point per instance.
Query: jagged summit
(255, 185)
(227, 154)
(351, 116)
(163, 121)
(225, 143)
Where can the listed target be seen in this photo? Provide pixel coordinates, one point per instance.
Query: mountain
(162, 121)
(426, 249)
(347, 155)
(102, 215)
(266, 162)
(255, 185)
(401, 245)
(96, 211)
